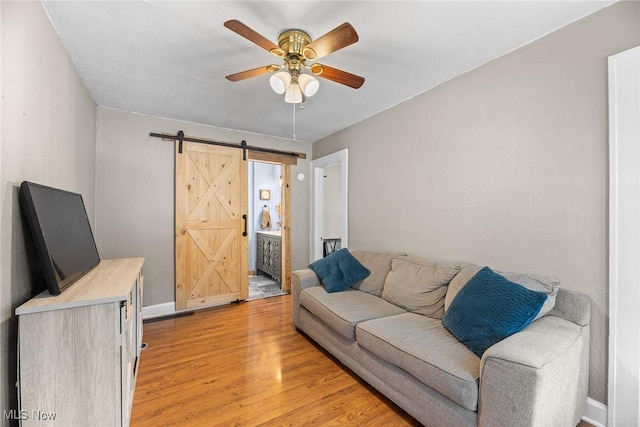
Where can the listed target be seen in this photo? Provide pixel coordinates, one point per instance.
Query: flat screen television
(59, 226)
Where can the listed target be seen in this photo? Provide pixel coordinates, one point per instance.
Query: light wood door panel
(211, 250)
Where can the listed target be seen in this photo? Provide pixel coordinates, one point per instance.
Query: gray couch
(388, 330)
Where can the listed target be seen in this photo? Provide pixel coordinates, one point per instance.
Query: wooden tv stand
(78, 351)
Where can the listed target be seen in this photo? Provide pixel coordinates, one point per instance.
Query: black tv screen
(61, 233)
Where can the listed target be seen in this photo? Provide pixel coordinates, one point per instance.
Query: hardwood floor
(245, 365)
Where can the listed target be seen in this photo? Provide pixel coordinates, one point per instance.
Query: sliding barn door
(211, 207)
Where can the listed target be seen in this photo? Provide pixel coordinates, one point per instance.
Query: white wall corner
(624, 239)
(595, 413)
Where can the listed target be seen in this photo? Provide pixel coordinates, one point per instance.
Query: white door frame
(317, 191)
(624, 239)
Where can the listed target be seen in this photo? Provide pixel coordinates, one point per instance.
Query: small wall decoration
(265, 194)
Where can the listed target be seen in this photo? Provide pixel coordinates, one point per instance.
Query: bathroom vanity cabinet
(269, 254)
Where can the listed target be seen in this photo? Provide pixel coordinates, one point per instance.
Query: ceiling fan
(295, 47)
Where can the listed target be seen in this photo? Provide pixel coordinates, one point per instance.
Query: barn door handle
(244, 217)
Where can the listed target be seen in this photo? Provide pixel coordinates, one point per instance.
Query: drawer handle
(244, 217)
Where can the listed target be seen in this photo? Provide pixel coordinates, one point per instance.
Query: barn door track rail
(181, 137)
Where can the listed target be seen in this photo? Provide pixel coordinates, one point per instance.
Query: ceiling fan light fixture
(294, 94)
(280, 82)
(296, 47)
(308, 84)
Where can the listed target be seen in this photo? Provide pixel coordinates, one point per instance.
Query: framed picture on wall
(265, 194)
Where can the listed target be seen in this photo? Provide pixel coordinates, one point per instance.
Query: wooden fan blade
(334, 40)
(254, 37)
(247, 74)
(337, 76)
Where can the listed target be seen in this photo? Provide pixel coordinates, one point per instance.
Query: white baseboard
(595, 413)
(169, 308)
(157, 310)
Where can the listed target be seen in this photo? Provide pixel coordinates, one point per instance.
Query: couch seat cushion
(424, 348)
(342, 311)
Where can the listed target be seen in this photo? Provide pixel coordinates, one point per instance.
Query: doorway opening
(267, 228)
(329, 213)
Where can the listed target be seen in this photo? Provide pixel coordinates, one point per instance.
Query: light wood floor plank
(245, 365)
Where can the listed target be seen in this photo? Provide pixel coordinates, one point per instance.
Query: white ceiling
(170, 58)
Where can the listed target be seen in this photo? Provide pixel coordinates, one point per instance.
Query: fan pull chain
(294, 122)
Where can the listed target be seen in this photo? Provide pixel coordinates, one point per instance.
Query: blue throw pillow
(339, 270)
(489, 308)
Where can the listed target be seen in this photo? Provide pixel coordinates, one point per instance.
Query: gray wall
(48, 136)
(135, 192)
(504, 166)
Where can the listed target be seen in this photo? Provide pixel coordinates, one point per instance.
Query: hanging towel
(266, 218)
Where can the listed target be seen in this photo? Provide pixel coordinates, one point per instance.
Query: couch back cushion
(419, 285)
(534, 282)
(379, 264)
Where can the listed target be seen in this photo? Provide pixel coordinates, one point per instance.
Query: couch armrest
(573, 306)
(300, 279)
(537, 377)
